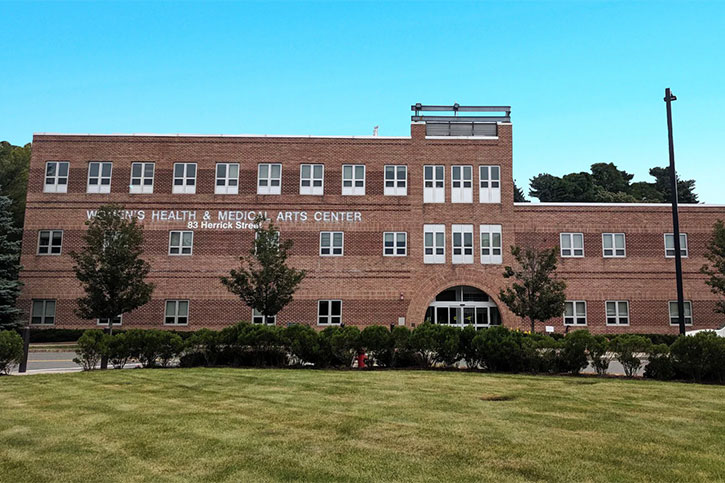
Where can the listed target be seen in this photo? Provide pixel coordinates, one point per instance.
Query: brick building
(392, 230)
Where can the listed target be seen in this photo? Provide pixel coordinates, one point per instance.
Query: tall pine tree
(9, 267)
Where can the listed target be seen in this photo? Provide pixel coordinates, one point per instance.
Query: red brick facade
(374, 289)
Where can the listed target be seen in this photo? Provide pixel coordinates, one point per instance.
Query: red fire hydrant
(361, 358)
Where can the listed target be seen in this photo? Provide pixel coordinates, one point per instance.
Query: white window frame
(257, 315)
(434, 188)
(461, 252)
(55, 186)
(683, 246)
(614, 252)
(491, 252)
(312, 180)
(437, 247)
(673, 304)
(229, 183)
(142, 187)
(329, 250)
(357, 185)
(104, 322)
(42, 323)
(399, 184)
(462, 187)
(489, 184)
(575, 313)
(176, 315)
(187, 183)
(99, 186)
(329, 317)
(395, 248)
(572, 248)
(50, 245)
(181, 246)
(269, 185)
(617, 313)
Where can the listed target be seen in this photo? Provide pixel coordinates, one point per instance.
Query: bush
(599, 353)
(92, 345)
(573, 353)
(466, 348)
(379, 344)
(627, 347)
(302, 343)
(700, 357)
(170, 346)
(345, 344)
(118, 350)
(542, 353)
(262, 345)
(205, 342)
(660, 364)
(403, 355)
(144, 345)
(11, 350)
(502, 350)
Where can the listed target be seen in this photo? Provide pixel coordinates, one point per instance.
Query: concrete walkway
(55, 362)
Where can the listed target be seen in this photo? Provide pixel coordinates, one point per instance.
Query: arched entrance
(463, 305)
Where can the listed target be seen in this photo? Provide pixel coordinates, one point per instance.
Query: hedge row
(497, 349)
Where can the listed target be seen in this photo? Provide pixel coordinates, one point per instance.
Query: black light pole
(669, 97)
(26, 348)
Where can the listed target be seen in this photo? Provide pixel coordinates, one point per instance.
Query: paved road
(54, 362)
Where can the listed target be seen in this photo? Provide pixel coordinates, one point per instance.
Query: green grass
(265, 425)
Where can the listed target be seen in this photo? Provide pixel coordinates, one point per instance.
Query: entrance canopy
(461, 306)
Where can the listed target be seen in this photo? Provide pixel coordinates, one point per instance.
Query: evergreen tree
(9, 267)
(109, 266)
(716, 269)
(264, 281)
(14, 164)
(537, 295)
(519, 196)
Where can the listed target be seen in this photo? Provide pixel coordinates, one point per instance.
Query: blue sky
(585, 79)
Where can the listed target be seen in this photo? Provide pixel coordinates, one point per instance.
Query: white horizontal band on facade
(615, 205)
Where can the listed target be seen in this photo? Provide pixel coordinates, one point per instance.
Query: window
(104, 322)
(329, 312)
(99, 177)
(670, 245)
(43, 312)
(674, 312)
(575, 312)
(617, 312)
(56, 177)
(177, 312)
(184, 178)
(312, 179)
(227, 179)
(434, 244)
(490, 184)
(572, 245)
(142, 178)
(461, 184)
(331, 243)
(269, 179)
(491, 244)
(181, 242)
(396, 180)
(353, 179)
(258, 318)
(434, 184)
(50, 242)
(613, 245)
(395, 244)
(462, 243)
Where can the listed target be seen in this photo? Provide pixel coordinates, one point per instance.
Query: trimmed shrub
(502, 350)
(573, 352)
(379, 344)
(144, 345)
(345, 344)
(627, 348)
(170, 346)
(404, 355)
(262, 345)
(700, 357)
(660, 364)
(466, 348)
(92, 345)
(118, 349)
(303, 344)
(11, 350)
(423, 342)
(599, 353)
(205, 342)
(542, 353)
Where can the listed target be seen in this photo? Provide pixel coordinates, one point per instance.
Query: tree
(716, 268)
(264, 281)
(110, 268)
(9, 267)
(519, 196)
(537, 295)
(14, 163)
(685, 188)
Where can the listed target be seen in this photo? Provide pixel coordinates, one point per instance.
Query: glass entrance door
(461, 306)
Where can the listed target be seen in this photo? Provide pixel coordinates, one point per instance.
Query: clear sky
(585, 79)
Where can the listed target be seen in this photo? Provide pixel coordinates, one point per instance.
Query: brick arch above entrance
(431, 287)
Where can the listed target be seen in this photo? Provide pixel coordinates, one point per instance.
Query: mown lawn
(264, 425)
